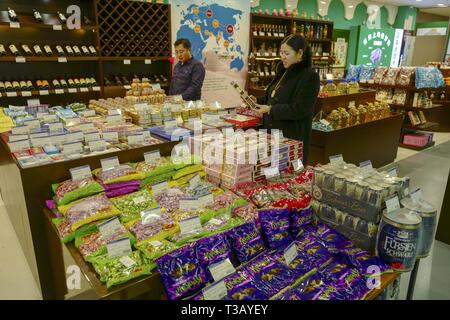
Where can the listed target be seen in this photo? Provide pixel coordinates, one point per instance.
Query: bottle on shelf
(330, 88)
(27, 50)
(37, 50)
(118, 81)
(83, 82)
(8, 86)
(325, 32)
(92, 50)
(14, 50)
(353, 86)
(63, 83)
(23, 85)
(62, 18)
(77, 51)
(71, 83)
(106, 81)
(16, 85)
(69, 51)
(30, 86)
(342, 87)
(302, 29)
(12, 15)
(319, 50)
(48, 50)
(56, 84)
(77, 82)
(294, 28)
(2, 86)
(255, 30)
(85, 50)
(2, 50)
(37, 16)
(45, 85)
(60, 51)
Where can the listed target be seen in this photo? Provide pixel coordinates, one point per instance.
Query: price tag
(73, 90)
(216, 291)
(156, 86)
(271, 172)
(416, 195)
(351, 104)
(261, 74)
(324, 122)
(62, 59)
(336, 159)
(20, 145)
(150, 215)
(367, 169)
(88, 113)
(43, 92)
(97, 145)
(14, 25)
(329, 76)
(59, 91)
(80, 173)
(160, 188)
(215, 221)
(127, 87)
(95, 88)
(110, 163)
(48, 118)
(189, 204)
(146, 135)
(194, 181)
(261, 34)
(21, 60)
(148, 61)
(84, 90)
(221, 269)
(75, 136)
(136, 139)
(290, 253)
(91, 136)
(127, 261)
(55, 127)
(58, 139)
(57, 27)
(86, 126)
(32, 124)
(206, 200)
(156, 243)
(170, 125)
(190, 225)
(17, 137)
(266, 54)
(276, 34)
(152, 157)
(72, 148)
(114, 120)
(20, 129)
(273, 73)
(392, 203)
(111, 136)
(126, 61)
(26, 93)
(33, 102)
(392, 172)
(298, 165)
(118, 248)
(258, 54)
(281, 35)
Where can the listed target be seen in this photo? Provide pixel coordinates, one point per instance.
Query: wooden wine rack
(133, 29)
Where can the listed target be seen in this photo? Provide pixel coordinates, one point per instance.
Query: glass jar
(318, 176)
(362, 114)
(339, 183)
(334, 119)
(345, 118)
(350, 185)
(361, 191)
(375, 195)
(328, 179)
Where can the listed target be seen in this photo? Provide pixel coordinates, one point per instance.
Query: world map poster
(219, 34)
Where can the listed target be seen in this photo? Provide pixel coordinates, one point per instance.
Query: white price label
(261, 74)
(151, 215)
(215, 221)
(336, 159)
(75, 136)
(367, 169)
(261, 34)
(55, 127)
(160, 188)
(48, 118)
(290, 253)
(72, 148)
(20, 130)
(155, 243)
(258, 54)
(216, 291)
(95, 88)
(84, 90)
(273, 73)
(62, 60)
(136, 139)
(11, 94)
(276, 34)
(80, 173)
(114, 119)
(109, 227)
(17, 137)
(329, 76)
(110, 163)
(114, 112)
(20, 145)
(271, 172)
(127, 261)
(33, 102)
(266, 54)
(392, 172)
(58, 139)
(156, 86)
(57, 27)
(110, 136)
(416, 195)
(88, 113)
(86, 126)
(21, 60)
(392, 203)
(351, 104)
(298, 165)
(32, 124)
(170, 125)
(189, 204)
(152, 157)
(148, 61)
(281, 35)
(194, 181)
(119, 248)
(206, 200)
(127, 87)
(73, 90)
(190, 225)
(43, 92)
(91, 136)
(127, 61)
(146, 135)
(26, 93)
(221, 269)
(324, 122)
(14, 25)
(97, 145)
(59, 91)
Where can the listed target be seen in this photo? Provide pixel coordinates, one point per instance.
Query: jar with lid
(345, 118)
(362, 113)
(334, 119)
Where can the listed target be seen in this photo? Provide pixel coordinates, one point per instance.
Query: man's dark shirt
(187, 80)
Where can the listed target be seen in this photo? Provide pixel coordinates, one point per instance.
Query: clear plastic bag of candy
(353, 72)
(69, 190)
(121, 173)
(131, 205)
(379, 74)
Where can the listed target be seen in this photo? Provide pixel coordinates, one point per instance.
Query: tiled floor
(426, 169)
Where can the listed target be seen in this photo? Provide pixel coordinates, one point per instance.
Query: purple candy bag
(240, 287)
(275, 227)
(314, 288)
(300, 266)
(317, 254)
(211, 250)
(246, 241)
(181, 272)
(299, 219)
(366, 264)
(121, 192)
(119, 185)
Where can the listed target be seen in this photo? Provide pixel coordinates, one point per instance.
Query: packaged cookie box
(237, 169)
(242, 121)
(229, 181)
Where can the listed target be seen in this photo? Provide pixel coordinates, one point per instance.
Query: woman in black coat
(290, 98)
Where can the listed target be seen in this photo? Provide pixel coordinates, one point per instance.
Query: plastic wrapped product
(248, 212)
(429, 77)
(379, 74)
(275, 227)
(240, 287)
(122, 269)
(300, 266)
(69, 190)
(246, 241)
(121, 188)
(118, 174)
(366, 73)
(314, 288)
(353, 72)
(133, 204)
(170, 201)
(318, 254)
(87, 210)
(299, 219)
(364, 262)
(155, 229)
(390, 77)
(211, 250)
(405, 76)
(181, 272)
(65, 232)
(188, 170)
(155, 249)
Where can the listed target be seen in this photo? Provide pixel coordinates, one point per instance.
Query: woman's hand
(262, 109)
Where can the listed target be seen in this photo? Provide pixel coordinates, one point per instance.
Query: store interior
(95, 205)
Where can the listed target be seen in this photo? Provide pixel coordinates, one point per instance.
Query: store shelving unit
(130, 37)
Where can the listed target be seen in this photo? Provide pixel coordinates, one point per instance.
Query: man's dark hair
(185, 42)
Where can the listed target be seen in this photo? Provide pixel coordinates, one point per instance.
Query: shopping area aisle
(427, 169)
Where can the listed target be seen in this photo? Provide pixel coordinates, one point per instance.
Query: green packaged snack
(69, 190)
(65, 232)
(188, 171)
(155, 249)
(131, 205)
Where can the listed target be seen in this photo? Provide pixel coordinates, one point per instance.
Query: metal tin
(428, 213)
(375, 195)
(318, 176)
(361, 191)
(328, 179)
(350, 185)
(339, 183)
(398, 237)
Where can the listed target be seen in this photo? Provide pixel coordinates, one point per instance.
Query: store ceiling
(418, 4)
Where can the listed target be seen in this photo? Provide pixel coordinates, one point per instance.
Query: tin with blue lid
(398, 239)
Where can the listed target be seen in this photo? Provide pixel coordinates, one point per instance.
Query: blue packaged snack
(240, 287)
(353, 72)
(366, 73)
(303, 241)
(364, 262)
(246, 241)
(275, 227)
(299, 219)
(211, 250)
(429, 77)
(181, 272)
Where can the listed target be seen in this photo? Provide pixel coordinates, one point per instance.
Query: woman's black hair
(297, 42)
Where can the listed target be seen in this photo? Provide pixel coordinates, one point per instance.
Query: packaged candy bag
(366, 73)
(353, 72)
(65, 232)
(155, 249)
(275, 227)
(188, 171)
(69, 190)
(313, 288)
(248, 212)
(181, 272)
(212, 250)
(122, 269)
(334, 241)
(364, 262)
(318, 254)
(299, 219)
(246, 241)
(133, 204)
(87, 210)
(240, 287)
(301, 266)
(155, 229)
(121, 173)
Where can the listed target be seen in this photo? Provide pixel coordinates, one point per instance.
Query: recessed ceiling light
(418, 0)
(441, 5)
(323, 2)
(350, 6)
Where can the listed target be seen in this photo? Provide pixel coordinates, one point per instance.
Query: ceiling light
(323, 2)
(350, 6)
(418, 0)
(441, 5)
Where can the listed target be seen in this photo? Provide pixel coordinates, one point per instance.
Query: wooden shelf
(422, 126)
(267, 58)
(258, 15)
(388, 86)
(267, 38)
(134, 58)
(115, 87)
(50, 92)
(407, 146)
(319, 40)
(263, 77)
(399, 106)
(46, 26)
(49, 59)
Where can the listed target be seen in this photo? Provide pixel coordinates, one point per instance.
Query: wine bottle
(30, 85)
(12, 15)
(37, 50)
(62, 17)
(16, 85)
(77, 82)
(76, 50)
(56, 84)
(48, 50)
(63, 83)
(92, 50)
(69, 51)
(14, 50)
(23, 85)
(27, 50)
(2, 86)
(8, 86)
(60, 51)
(71, 83)
(93, 81)
(85, 50)
(106, 81)
(2, 50)
(83, 83)
(37, 16)
(45, 85)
